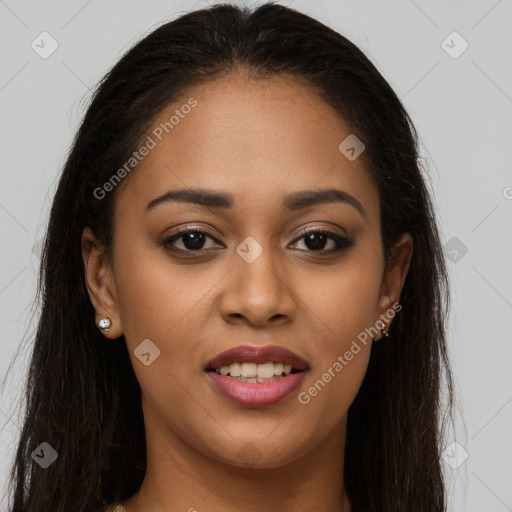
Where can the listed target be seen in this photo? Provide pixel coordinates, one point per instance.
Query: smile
(252, 372)
(256, 376)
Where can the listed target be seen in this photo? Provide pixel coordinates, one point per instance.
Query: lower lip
(256, 394)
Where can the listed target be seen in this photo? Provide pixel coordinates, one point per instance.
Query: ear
(99, 281)
(396, 272)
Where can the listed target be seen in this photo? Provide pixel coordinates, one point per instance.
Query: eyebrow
(292, 202)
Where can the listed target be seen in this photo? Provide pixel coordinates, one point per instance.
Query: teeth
(235, 369)
(249, 370)
(257, 379)
(254, 372)
(265, 370)
(278, 368)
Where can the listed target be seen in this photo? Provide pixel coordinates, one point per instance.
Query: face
(285, 250)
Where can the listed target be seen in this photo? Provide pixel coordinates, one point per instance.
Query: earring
(385, 329)
(104, 325)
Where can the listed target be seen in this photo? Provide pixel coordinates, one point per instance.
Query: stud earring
(104, 325)
(385, 329)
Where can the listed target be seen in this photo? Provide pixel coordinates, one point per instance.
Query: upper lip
(257, 355)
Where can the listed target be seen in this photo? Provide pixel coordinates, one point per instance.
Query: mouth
(256, 376)
(252, 372)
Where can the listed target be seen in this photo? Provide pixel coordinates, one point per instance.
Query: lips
(258, 355)
(263, 391)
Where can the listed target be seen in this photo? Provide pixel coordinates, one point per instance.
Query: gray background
(461, 106)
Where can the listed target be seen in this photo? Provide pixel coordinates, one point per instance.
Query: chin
(257, 455)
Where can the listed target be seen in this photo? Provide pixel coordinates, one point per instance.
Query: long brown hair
(82, 397)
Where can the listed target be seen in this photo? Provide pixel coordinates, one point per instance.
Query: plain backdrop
(449, 62)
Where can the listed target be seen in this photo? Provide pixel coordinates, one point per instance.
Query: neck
(181, 478)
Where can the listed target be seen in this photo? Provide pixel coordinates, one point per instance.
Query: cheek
(155, 297)
(168, 305)
(162, 303)
(340, 310)
(344, 300)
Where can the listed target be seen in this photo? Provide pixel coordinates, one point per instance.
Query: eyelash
(341, 242)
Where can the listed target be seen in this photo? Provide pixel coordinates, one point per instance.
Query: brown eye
(192, 239)
(318, 240)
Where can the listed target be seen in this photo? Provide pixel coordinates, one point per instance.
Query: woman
(243, 289)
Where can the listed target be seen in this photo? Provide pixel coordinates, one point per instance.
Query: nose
(259, 293)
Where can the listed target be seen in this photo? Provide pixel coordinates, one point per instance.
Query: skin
(257, 140)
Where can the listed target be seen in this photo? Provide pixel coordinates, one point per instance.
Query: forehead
(258, 139)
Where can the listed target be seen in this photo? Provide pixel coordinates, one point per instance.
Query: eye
(317, 239)
(191, 239)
